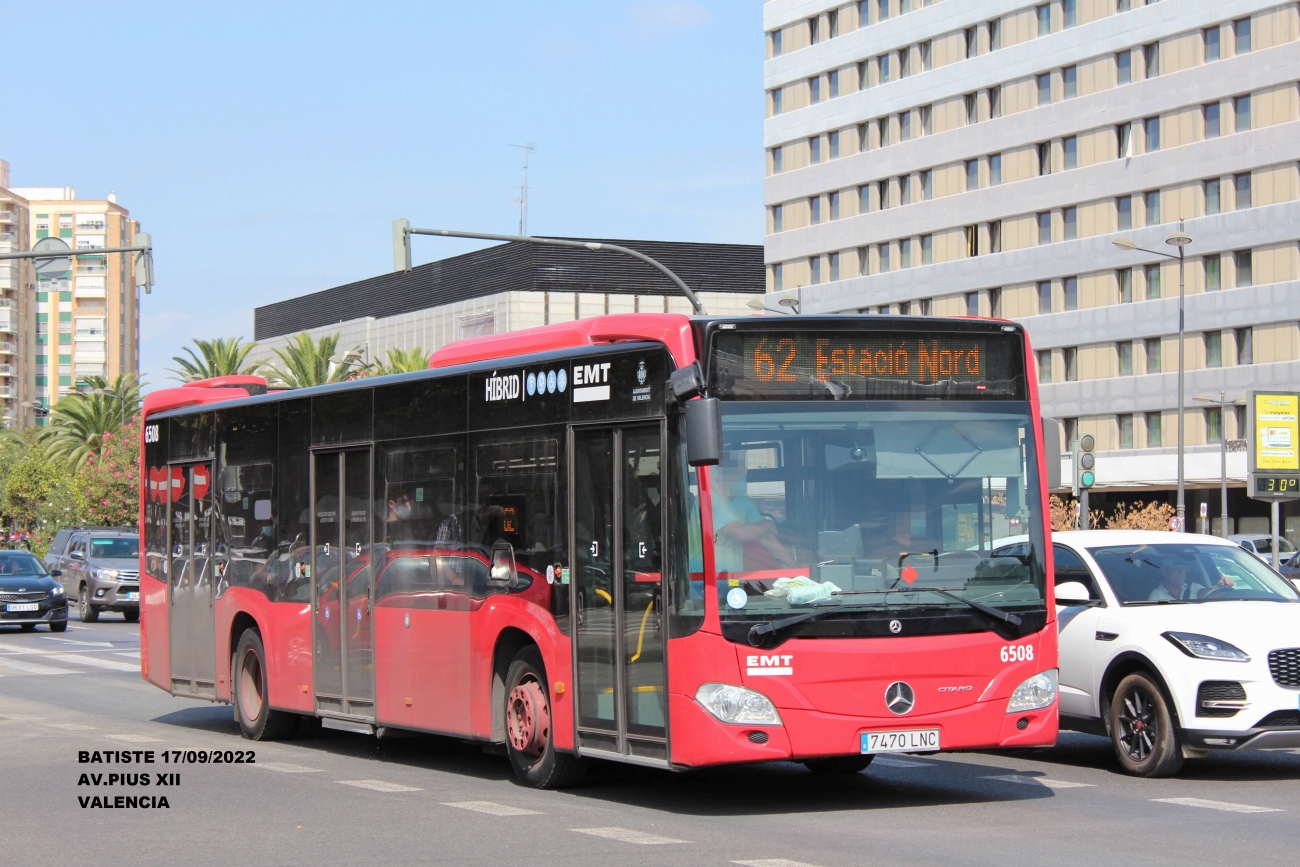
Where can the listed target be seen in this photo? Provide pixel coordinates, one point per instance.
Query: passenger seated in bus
(738, 524)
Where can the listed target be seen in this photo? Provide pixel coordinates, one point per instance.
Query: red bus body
(436, 656)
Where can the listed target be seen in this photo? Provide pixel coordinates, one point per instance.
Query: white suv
(1174, 645)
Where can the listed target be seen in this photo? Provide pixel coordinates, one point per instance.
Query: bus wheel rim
(528, 719)
(250, 686)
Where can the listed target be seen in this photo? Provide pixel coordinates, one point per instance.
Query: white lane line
(133, 654)
(71, 727)
(107, 644)
(627, 835)
(378, 786)
(774, 862)
(1040, 781)
(286, 768)
(32, 667)
(891, 762)
(1217, 805)
(95, 662)
(491, 808)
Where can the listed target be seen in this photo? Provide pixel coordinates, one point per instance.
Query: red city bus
(650, 538)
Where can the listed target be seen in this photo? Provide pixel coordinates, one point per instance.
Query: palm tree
(402, 361)
(224, 356)
(79, 421)
(306, 362)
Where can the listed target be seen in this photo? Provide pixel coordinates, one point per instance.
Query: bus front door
(342, 576)
(617, 590)
(192, 622)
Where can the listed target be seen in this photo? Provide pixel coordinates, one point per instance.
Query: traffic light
(1085, 464)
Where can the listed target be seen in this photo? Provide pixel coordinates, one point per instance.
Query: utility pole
(528, 150)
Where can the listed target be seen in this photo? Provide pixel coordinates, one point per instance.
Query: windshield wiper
(758, 630)
(1004, 617)
(1162, 602)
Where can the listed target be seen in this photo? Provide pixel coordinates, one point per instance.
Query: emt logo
(756, 666)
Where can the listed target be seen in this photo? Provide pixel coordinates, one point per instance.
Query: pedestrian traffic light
(1085, 464)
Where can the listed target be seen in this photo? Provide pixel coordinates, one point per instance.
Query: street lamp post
(1223, 404)
(1179, 239)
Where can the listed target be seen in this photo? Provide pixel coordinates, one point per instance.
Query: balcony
(7, 370)
(91, 267)
(8, 216)
(91, 226)
(8, 238)
(7, 347)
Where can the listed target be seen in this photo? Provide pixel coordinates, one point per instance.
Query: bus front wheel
(530, 735)
(249, 693)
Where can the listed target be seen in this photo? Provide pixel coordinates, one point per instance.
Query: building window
(1213, 278)
(814, 209)
(1152, 127)
(905, 253)
(1125, 351)
(833, 83)
(815, 149)
(776, 101)
(778, 218)
(995, 169)
(1211, 112)
(972, 42)
(883, 124)
(815, 267)
(925, 57)
(1071, 431)
(995, 102)
(1124, 207)
(1126, 431)
(776, 161)
(904, 62)
(1241, 28)
(1151, 199)
(1045, 297)
(864, 199)
(1211, 44)
(1211, 188)
(1045, 227)
(927, 249)
(1045, 366)
(1071, 147)
(905, 125)
(927, 185)
(884, 68)
(833, 23)
(864, 77)
(1242, 184)
(833, 263)
(1153, 281)
(972, 109)
(1213, 424)
(1070, 75)
(884, 9)
(833, 144)
(1213, 349)
(972, 175)
(1044, 158)
(1244, 274)
(925, 306)
(995, 34)
(813, 31)
(1124, 66)
(776, 43)
(925, 119)
(995, 303)
(905, 190)
(1155, 439)
(883, 187)
(1125, 278)
(884, 259)
(1071, 293)
(1151, 54)
(1071, 364)
(1071, 223)
(1153, 354)
(1045, 89)
(1245, 350)
(972, 241)
(972, 304)
(1069, 9)
(1124, 140)
(833, 201)
(1044, 19)
(864, 261)
(995, 236)
(1241, 112)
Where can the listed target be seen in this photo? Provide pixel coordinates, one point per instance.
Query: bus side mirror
(502, 571)
(1052, 452)
(704, 432)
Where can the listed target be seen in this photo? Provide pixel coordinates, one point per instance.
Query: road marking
(95, 662)
(33, 667)
(378, 786)
(1216, 805)
(1039, 781)
(492, 809)
(891, 762)
(627, 835)
(108, 644)
(774, 862)
(287, 768)
(135, 739)
(133, 654)
(71, 727)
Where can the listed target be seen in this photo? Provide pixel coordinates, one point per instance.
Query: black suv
(100, 569)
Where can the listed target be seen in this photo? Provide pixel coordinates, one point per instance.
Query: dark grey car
(101, 571)
(30, 595)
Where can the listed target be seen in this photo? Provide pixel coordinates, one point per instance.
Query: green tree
(306, 362)
(41, 496)
(79, 421)
(402, 361)
(224, 356)
(109, 482)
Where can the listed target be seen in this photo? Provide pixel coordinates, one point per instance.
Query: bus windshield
(869, 509)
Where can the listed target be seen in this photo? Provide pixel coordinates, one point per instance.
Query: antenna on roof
(522, 201)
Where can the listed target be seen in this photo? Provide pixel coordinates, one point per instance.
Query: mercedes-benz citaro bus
(650, 538)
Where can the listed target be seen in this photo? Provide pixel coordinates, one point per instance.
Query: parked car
(1291, 571)
(101, 568)
(30, 594)
(1175, 646)
(1262, 546)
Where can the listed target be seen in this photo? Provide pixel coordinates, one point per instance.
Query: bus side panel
(486, 625)
(422, 664)
(155, 665)
(286, 636)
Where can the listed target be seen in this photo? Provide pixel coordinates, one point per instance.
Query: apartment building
(17, 313)
(981, 157)
(87, 319)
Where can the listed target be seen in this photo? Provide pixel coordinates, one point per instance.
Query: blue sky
(268, 146)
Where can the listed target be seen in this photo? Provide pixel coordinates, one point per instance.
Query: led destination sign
(861, 364)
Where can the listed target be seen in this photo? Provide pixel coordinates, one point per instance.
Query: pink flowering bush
(110, 481)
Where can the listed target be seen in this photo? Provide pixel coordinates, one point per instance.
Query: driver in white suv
(1173, 582)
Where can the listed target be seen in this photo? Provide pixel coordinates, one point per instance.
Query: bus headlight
(1035, 693)
(735, 704)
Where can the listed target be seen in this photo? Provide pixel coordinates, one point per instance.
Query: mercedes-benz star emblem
(895, 626)
(899, 697)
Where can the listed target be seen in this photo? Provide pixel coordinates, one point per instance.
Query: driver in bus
(737, 522)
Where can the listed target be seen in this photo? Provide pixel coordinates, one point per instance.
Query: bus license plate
(911, 741)
(23, 606)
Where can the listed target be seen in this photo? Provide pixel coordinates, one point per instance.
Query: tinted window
(288, 568)
(1178, 572)
(15, 564)
(114, 548)
(420, 408)
(155, 498)
(245, 505)
(190, 436)
(342, 417)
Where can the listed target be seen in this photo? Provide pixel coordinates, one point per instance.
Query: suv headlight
(1035, 693)
(1205, 647)
(57, 590)
(735, 704)
(106, 574)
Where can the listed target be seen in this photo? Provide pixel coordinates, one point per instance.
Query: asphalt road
(350, 799)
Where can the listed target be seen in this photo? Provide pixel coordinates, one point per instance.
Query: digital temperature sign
(790, 365)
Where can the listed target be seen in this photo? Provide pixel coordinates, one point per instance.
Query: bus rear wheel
(250, 694)
(530, 736)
